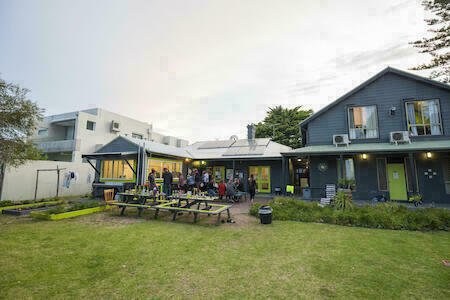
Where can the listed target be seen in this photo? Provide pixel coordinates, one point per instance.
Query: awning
(109, 155)
(420, 146)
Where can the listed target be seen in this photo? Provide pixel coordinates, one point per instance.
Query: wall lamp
(428, 155)
(203, 162)
(364, 156)
(299, 159)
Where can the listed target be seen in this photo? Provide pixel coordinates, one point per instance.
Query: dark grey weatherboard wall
(366, 176)
(387, 91)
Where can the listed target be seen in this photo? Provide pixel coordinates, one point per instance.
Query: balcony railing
(59, 146)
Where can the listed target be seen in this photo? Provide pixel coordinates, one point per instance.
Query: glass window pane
(127, 172)
(265, 173)
(117, 168)
(382, 177)
(106, 169)
(155, 164)
(363, 122)
(253, 171)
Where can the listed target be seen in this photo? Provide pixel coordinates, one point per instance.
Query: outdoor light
(364, 156)
(203, 162)
(187, 160)
(428, 154)
(299, 159)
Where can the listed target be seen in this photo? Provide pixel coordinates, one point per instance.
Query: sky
(202, 70)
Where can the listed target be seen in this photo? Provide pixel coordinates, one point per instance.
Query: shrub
(383, 215)
(342, 201)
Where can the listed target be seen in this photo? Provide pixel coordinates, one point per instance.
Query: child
(222, 190)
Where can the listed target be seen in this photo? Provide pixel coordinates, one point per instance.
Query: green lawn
(105, 257)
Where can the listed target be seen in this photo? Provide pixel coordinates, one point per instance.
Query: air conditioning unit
(400, 137)
(341, 139)
(115, 126)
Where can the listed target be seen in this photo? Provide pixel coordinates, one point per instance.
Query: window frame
(42, 130)
(163, 161)
(405, 107)
(141, 136)
(386, 174)
(124, 165)
(338, 170)
(93, 125)
(376, 119)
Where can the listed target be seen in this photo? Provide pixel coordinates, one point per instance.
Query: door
(219, 173)
(397, 181)
(262, 178)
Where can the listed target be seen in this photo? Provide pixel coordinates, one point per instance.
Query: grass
(109, 257)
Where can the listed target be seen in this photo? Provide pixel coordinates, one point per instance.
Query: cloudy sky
(201, 69)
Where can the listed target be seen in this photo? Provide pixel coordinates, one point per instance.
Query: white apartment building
(65, 137)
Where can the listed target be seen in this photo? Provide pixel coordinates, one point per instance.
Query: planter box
(16, 212)
(69, 214)
(28, 205)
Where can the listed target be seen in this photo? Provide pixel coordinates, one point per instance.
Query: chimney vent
(251, 132)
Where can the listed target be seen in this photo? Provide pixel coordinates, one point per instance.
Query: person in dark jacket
(252, 188)
(151, 180)
(167, 182)
(198, 180)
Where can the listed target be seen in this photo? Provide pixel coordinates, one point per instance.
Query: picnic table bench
(175, 208)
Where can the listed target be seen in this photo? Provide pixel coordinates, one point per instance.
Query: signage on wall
(229, 174)
(323, 166)
(430, 173)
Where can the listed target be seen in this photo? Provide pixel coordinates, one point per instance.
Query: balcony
(59, 146)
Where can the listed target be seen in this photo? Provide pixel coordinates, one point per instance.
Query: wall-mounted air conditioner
(399, 137)
(115, 126)
(341, 139)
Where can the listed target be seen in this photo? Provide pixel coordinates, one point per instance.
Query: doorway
(397, 182)
(262, 178)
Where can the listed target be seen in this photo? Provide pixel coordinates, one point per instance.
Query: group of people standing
(204, 182)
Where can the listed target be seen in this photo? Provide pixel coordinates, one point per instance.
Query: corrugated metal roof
(158, 148)
(373, 147)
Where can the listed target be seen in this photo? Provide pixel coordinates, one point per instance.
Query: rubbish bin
(306, 193)
(265, 214)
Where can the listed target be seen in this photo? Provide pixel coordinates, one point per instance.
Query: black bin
(265, 214)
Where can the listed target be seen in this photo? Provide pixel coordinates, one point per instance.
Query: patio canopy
(421, 146)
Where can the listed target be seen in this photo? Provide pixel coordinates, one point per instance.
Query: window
(117, 170)
(43, 132)
(136, 136)
(362, 122)
(382, 174)
(423, 118)
(90, 125)
(349, 172)
(175, 167)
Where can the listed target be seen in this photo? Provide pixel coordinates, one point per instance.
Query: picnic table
(138, 200)
(176, 206)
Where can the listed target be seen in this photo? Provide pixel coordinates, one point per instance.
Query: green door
(397, 181)
(262, 178)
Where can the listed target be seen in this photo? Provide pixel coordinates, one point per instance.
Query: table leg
(228, 213)
(123, 210)
(195, 217)
(174, 215)
(156, 213)
(140, 211)
(218, 219)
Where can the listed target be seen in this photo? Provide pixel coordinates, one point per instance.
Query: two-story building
(389, 136)
(64, 137)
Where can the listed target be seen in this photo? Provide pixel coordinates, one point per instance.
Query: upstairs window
(423, 118)
(43, 132)
(362, 121)
(90, 125)
(136, 136)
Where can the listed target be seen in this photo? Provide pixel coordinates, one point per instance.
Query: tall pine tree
(438, 44)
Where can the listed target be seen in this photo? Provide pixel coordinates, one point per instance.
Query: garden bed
(29, 205)
(69, 211)
(383, 215)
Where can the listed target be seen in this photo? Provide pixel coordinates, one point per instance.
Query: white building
(65, 137)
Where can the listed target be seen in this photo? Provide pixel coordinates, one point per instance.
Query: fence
(20, 183)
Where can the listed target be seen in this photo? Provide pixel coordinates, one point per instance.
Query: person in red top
(222, 190)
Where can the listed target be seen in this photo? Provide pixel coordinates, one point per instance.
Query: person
(222, 190)
(190, 182)
(167, 182)
(230, 190)
(252, 188)
(151, 180)
(197, 180)
(211, 187)
(182, 183)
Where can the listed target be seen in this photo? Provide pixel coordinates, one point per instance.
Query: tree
(438, 44)
(19, 118)
(281, 124)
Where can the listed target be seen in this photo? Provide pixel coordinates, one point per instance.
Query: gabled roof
(368, 82)
(242, 149)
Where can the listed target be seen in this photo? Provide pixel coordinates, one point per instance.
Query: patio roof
(441, 145)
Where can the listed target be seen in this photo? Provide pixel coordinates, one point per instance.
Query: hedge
(383, 215)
